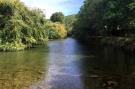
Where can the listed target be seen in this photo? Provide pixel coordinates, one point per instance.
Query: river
(67, 64)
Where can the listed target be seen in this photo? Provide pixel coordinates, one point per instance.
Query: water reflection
(64, 73)
(67, 64)
(109, 68)
(76, 66)
(18, 70)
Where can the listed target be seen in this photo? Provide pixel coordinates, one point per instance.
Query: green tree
(69, 22)
(20, 27)
(57, 17)
(100, 17)
(56, 30)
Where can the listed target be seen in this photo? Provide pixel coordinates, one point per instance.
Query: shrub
(20, 26)
(56, 30)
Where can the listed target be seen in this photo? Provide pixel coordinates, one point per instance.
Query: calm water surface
(67, 64)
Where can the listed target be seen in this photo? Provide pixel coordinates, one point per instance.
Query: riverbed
(67, 64)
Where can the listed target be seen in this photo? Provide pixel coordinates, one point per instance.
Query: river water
(67, 64)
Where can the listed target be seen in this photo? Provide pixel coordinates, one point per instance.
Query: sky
(68, 7)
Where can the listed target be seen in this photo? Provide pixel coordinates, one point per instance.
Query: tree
(97, 17)
(57, 17)
(20, 26)
(69, 21)
(56, 30)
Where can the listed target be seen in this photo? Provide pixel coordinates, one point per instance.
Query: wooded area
(22, 27)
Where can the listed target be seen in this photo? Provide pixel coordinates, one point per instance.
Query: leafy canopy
(57, 17)
(105, 17)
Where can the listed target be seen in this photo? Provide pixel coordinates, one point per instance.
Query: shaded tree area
(69, 23)
(105, 18)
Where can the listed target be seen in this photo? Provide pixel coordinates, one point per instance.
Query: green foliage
(20, 26)
(57, 17)
(105, 17)
(69, 22)
(56, 30)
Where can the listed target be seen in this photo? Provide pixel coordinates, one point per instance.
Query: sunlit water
(67, 64)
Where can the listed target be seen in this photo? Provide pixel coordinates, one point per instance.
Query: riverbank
(125, 43)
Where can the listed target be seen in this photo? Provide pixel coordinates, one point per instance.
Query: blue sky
(50, 6)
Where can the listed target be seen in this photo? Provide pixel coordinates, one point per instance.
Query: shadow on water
(76, 66)
(108, 68)
(18, 70)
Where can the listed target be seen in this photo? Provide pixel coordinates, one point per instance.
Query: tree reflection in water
(18, 70)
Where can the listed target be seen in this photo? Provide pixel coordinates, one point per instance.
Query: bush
(20, 26)
(56, 30)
